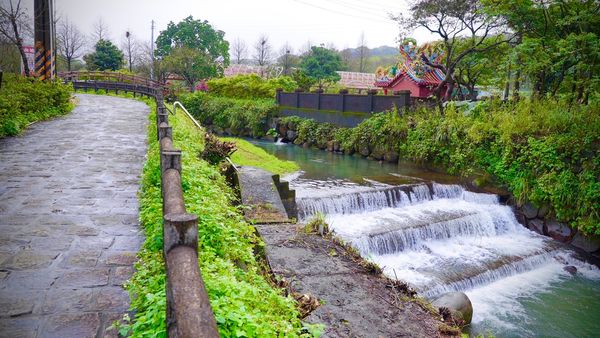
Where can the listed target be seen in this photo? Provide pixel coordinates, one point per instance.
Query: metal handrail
(177, 103)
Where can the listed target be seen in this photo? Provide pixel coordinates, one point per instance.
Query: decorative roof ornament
(412, 63)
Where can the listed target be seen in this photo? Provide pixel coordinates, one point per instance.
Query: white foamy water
(442, 238)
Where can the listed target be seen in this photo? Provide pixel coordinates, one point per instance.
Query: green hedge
(244, 302)
(249, 86)
(240, 117)
(26, 100)
(545, 152)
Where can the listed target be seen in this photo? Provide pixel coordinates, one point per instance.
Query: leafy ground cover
(27, 100)
(251, 155)
(544, 151)
(244, 301)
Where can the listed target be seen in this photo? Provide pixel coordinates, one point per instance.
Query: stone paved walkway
(69, 219)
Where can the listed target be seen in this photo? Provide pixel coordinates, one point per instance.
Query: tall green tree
(559, 46)
(106, 56)
(321, 65)
(193, 49)
(192, 65)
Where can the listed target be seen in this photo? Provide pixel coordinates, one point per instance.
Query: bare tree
(239, 50)
(129, 46)
(100, 31)
(286, 58)
(305, 49)
(262, 48)
(363, 53)
(70, 41)
(14, 24)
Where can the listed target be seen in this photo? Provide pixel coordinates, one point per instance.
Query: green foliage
(245, 304)
(303, 81)
(249, 86)
(250, 155)
(241, 117)
(546, 152)
(193, 34)
(191, 49)
(191, 64)
(321, 65)
(26, 100)
(106, 56)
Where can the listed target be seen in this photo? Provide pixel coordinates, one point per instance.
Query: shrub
(249, 86)
(26, 100)
(216, 150)
(241, 117)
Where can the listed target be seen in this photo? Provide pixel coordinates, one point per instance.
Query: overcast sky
(296, 21)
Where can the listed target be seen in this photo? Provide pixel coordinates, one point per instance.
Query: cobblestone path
(69, 219)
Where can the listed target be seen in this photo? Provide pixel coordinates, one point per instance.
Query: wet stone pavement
(69, 219)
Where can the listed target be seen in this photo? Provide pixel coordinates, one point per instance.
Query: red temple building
(412, 73)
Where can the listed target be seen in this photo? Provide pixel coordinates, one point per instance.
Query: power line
(373, 19)
(364, 7)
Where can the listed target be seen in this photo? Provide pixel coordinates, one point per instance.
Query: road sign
(30, 54)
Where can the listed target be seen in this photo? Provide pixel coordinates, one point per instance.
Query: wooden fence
(343, 102)
(188, 309)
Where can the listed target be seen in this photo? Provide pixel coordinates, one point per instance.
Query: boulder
(364, 150)
(536, 225)
(529, 210)
(306, 145)
(559, 231)
(336, 146)
(282, 129)
(377, 154)
(586, 243)
(291, 135)
(543, 211)
(570, 269)
(458, 303)
(329, 145)
(391, 156)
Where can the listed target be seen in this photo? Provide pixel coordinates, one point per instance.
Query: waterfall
(356, 202)
(482, 275)
(436, 237)
(388, 197)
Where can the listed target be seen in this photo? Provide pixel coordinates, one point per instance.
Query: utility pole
(44, 39)
(152, 51)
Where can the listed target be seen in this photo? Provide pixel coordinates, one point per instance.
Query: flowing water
(426, 229)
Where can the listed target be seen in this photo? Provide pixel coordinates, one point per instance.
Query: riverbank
(247, 154)
(442, 237)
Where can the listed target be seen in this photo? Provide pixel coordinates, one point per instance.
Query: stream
(424, 228)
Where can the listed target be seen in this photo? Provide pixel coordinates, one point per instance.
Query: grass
(243, 299)
(248, 154)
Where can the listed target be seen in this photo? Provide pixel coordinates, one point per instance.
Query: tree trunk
(507, 85)
(19, 43)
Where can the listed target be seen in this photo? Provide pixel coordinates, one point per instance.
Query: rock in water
(459, 304)
(570, 269)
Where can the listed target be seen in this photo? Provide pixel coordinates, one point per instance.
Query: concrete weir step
(353, 302)
(260, 193)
